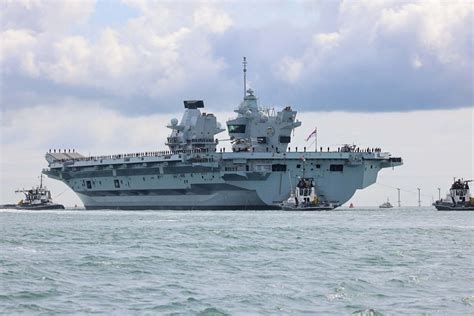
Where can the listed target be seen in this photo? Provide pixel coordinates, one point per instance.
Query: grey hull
(113, 184)
(223, 200)
(185, 208)
(454, 208)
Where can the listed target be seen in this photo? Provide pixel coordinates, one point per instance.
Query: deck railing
(164, 153)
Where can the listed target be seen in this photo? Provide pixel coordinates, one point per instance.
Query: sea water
(361, 261)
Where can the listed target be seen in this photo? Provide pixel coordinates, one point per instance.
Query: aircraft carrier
(195, 174)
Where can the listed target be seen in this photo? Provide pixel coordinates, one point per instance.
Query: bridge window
(285, 139)
(336, 168)
(236, 128)
(318, 166)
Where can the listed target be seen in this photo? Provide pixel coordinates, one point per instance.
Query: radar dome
(174, 121)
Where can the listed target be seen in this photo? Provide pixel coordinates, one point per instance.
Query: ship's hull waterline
(32, 208)
(178, 200)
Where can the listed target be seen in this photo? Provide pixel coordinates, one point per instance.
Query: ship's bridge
(195, 131)
(261, 129)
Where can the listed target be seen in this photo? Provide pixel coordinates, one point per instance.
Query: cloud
(71, 64)
(44, 15)
(356, 56)
(327, 41)
(436, 26)
(216, 21)
(376, 48)
(416, 62)
(17, 47)
(290, 69)
(159, 54)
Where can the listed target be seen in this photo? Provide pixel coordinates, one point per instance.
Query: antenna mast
(245, 75)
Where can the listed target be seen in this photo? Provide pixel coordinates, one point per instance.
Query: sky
(106, 76)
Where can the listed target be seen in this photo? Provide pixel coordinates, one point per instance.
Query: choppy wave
(220, 263)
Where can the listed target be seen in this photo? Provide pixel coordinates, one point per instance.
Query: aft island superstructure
(259, 173)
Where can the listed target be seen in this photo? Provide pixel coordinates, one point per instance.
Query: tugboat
(38, 198)
(458, 199)
(305, 198)
(386, 205)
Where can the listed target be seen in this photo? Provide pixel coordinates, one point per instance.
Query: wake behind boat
(458, 199)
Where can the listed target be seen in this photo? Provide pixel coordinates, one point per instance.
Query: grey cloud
(330, 56)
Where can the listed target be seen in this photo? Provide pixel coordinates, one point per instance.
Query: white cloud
(15, 41)
(17, 46)
(215, 20)
(162, 50)
(416, 62)
(112, 57)
(44, 15)
(169, 51)
(437, 26)
(71, 61)
(327, 40)
(289, 69)
(370, 31)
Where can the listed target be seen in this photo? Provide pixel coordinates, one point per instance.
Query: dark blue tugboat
(458, 199)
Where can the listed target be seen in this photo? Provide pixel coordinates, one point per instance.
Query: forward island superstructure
(193, 174)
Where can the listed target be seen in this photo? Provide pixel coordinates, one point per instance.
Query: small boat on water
(38, 198)
(386, 205)
(458, 199)
(305, 198)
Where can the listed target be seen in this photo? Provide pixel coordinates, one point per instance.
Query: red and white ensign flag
(313, 133)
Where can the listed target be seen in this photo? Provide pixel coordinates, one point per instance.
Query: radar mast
(245, 75)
